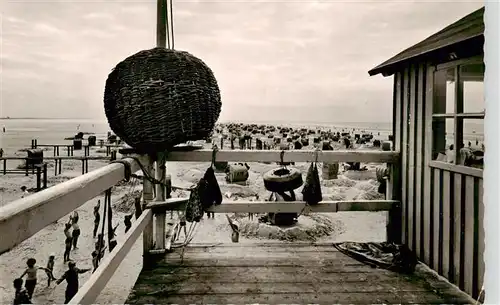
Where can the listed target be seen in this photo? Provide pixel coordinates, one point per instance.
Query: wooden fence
(25, 217)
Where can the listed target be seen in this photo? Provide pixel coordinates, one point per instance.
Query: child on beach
(128, 222)
(97, 217)
(96, 256)
(71, 277)
(112, 240)
(50, 269)
(100, 244)
(31, 273)
(25, 191)
(69, 240)
(76, 229)
(21, 296)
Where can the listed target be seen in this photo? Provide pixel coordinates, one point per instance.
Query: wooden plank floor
(282, 274)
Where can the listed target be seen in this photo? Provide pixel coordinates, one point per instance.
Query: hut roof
(469, 27)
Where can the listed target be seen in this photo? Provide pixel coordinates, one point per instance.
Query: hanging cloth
(213, 194)
(210, 193)
(312, 188)
(194, 206)
(110, 219)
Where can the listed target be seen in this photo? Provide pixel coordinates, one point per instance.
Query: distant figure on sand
(31, 273)
(97, 254)
(76, 229)
(69, 240)
(3, 128)
(97, 217)
(50, 269)
(21, 295)
(128, 222)
(1, 152)
(25, 191)
(71, 277)
(100, 244)
(111, 238)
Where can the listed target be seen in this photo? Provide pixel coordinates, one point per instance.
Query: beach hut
(438, 104)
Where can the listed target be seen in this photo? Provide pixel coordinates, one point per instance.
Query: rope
(99, 249)
(168, 26)
(171, 27)
(128, 169)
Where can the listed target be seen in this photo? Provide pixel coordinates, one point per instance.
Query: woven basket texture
(158, 98)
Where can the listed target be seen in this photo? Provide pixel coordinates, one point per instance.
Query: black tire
(282, 180)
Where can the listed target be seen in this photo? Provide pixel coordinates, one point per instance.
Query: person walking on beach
(21, 296)
(100, 245)
(76, 229)
(128, 222)
(71, 277)
(97, 217)
(69, 240)
(31, 273)
(50, 269)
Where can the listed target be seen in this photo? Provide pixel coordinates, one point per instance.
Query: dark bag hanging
(194, 207)
(312, 188)
(317, 185)
(213, 193)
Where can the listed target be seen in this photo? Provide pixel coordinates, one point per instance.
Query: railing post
(147, 196)
(38, 178)
(5, 166)
(44, 175)
(160, 196)
(394, 216)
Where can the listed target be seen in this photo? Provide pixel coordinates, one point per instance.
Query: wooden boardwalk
(284, 274)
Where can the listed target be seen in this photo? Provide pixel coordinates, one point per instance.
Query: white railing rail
(288, 156)
(21, 219)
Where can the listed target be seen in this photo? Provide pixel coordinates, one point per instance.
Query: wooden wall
(442, 204)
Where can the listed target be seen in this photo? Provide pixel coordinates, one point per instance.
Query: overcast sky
(299, 60)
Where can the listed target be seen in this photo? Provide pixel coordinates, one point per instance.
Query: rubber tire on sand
(282, 183)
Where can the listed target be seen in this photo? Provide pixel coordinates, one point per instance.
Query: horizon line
(221, 121)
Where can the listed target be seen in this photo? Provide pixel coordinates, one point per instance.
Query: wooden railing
(455, 225)
(25, 217)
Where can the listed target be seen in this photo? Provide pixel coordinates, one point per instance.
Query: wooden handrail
(455, 168)
(280, 207)
(289, 156)
(22, 218)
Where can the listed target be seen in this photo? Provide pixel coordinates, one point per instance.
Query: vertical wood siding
(442, 210)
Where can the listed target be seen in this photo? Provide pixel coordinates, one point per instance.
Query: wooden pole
(147, 196)
(38, 178)
(161, 24)
(160, 196)
(45, 175)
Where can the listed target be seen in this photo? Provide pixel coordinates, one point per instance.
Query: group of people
(23, 295)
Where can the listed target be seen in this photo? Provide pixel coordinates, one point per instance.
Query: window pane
(473, 151)
(443, 139)
(444, 91)
(472, 77)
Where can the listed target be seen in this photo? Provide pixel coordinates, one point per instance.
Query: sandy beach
(351, 226)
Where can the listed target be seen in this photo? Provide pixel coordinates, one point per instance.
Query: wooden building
(438, 105)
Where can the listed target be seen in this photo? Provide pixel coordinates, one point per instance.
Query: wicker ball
(158, 98)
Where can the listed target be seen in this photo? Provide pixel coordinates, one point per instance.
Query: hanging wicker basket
(158, 98)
